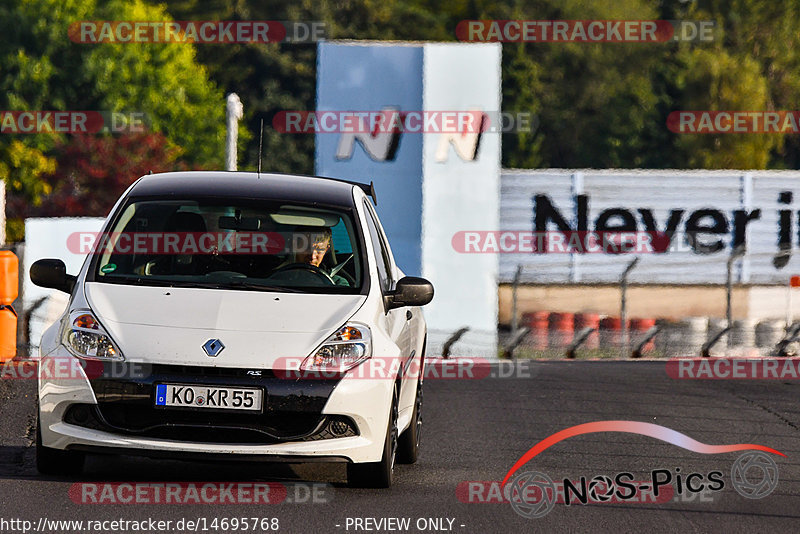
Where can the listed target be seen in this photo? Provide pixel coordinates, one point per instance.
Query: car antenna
(260, 139)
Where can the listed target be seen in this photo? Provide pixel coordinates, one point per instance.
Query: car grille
(198, 371)
(203, 427)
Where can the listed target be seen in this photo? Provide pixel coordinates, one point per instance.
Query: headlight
(346, 348)
(85, 338)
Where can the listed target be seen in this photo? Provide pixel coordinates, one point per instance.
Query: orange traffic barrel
(8, 333)
(9, 276)
(638, 327)
(588, 320)
(562, 326)
(537, 322)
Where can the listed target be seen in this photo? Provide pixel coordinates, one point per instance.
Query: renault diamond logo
(213, 347)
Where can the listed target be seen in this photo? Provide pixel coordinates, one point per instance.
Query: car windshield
(224, 244)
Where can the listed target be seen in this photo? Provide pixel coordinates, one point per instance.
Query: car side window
(381, 254)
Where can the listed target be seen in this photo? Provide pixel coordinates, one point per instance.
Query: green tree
(276, 77)
(761, 38)
(716, 81)
(162, 80)
(592, 100)
(598, 105)
(42, 69)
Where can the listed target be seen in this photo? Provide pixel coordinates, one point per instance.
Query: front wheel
(378, 474)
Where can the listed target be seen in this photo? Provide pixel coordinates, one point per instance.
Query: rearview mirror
(242, 223)
(52, 273)
(411, 291)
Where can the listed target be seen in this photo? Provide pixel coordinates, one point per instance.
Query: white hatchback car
(236, 316)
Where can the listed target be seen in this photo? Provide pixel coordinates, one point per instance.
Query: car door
(398, 320)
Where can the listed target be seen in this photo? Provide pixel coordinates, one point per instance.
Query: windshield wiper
(134, 280)
(239, 285)
(262, 287)
(137, 280)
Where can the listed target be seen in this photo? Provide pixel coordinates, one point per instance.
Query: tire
(54, 461)
(408, 444)
(378, 474)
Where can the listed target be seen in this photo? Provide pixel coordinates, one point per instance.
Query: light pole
(234, 111)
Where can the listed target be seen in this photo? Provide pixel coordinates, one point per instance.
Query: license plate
(209, 397)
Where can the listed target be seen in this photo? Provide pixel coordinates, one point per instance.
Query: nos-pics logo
(533, 494)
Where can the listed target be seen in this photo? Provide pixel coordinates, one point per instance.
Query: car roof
(221, 184)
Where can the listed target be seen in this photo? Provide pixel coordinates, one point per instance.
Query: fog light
(80, 414)
(339, 428)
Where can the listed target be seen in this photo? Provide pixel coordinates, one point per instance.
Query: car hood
(169, 325)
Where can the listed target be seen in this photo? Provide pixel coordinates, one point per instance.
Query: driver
(318, 244)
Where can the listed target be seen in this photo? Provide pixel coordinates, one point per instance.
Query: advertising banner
(683, 225)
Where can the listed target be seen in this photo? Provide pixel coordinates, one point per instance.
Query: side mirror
(411, 291)
(52, 273)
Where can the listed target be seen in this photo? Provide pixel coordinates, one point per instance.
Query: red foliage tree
(93, 171)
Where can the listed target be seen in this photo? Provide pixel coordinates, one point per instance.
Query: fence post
(514, 319)
(746, 201)
(623, 314)
(737, 253)
(451, 341)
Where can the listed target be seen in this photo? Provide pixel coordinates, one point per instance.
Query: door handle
(408, 315)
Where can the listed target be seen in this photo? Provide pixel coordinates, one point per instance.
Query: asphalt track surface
(475, 430)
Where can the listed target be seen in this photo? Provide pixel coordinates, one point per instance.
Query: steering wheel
(306, 267)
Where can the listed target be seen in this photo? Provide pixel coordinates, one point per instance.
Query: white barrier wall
(759, 209)
(47, 238)
(2, 211)
(460, 193)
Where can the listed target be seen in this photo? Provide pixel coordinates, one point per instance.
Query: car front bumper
(129, 422)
